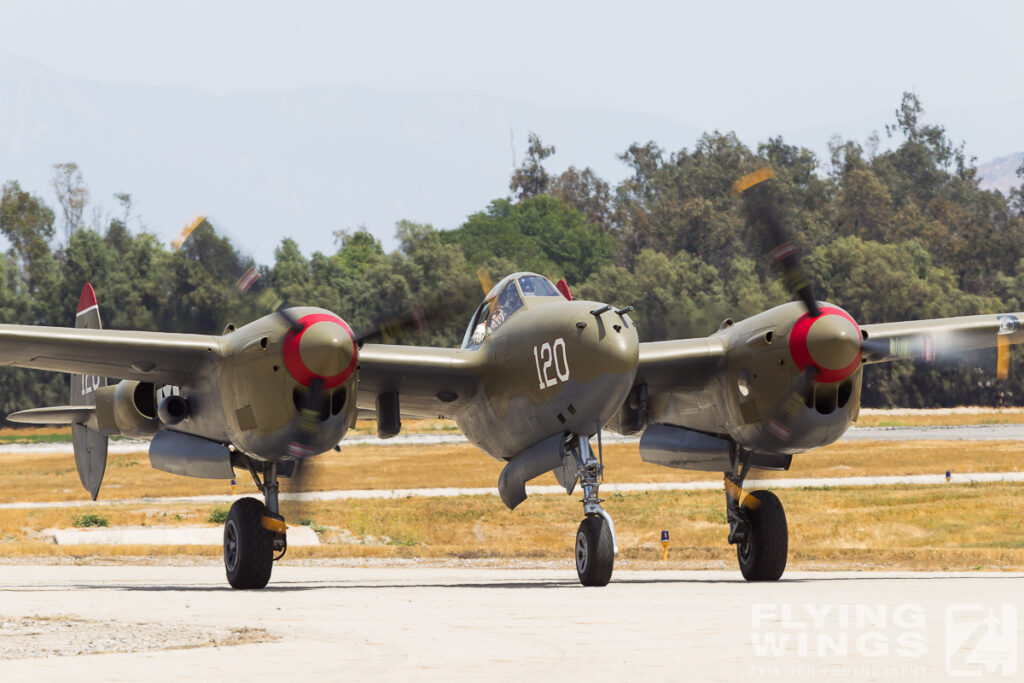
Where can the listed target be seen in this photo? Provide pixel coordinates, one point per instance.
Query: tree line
(894, 228)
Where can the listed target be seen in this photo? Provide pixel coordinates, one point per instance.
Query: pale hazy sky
(756, 67)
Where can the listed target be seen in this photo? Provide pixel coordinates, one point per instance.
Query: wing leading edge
(941, 338)
(161, 357)
(679, 363)
(430, 382)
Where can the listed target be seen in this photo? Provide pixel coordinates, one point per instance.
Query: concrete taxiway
(338, 623)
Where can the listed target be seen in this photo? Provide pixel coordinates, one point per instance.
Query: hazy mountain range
(1001, 174)
(302, 163)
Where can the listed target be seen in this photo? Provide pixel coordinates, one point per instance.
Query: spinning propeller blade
(941, 349)
(302, 445)
(827, 345)
(405, 323)
(787, 411)
(759, 205)
(292, 321)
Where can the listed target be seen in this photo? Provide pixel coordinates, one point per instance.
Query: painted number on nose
(90, 383)
(551, 357)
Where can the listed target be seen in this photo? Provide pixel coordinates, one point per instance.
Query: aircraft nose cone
(323, 347)
(829, 342)
(326, 348)
(834, 342)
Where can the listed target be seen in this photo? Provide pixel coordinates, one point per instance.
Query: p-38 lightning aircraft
(537, 376)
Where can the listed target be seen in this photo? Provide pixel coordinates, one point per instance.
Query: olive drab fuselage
(554, 366)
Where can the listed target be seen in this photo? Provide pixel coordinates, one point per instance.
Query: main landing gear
(595, 538)
(254, 532)
(757, 526)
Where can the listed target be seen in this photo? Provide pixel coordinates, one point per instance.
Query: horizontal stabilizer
(54, 415)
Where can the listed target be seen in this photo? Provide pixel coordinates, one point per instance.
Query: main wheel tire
(248, 547)
(763, 555)
(595, 551)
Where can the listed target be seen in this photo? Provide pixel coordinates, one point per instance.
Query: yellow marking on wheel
(740, 496)
(276, 525)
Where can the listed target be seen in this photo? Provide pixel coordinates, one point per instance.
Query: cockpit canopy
(504, 299)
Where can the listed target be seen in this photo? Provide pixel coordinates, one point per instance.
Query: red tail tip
(88, 298)
(563, 287)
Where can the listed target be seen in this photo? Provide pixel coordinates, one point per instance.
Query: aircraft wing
(940, 339)
(683, 363)
(678, 363)
(145, 356)
(431, 382)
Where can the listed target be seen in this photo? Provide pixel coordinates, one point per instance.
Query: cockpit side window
(535, 285)
(478, 325)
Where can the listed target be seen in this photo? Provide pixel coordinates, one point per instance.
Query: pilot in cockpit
(507, 303)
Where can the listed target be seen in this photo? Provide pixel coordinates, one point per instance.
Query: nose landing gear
(595, 539)
(253, 532)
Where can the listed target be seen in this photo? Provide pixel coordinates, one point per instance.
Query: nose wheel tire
(595, 552)
(762, 555)
(248, 547)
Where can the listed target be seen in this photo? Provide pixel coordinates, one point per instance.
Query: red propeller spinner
(830, 342)
(320, 345)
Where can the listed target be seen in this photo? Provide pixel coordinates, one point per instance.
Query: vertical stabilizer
(90, 446)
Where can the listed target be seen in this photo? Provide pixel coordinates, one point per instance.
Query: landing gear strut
(595, 538)
(254, 531)
(757, 526)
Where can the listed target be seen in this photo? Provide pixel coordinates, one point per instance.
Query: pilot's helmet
(507, 296)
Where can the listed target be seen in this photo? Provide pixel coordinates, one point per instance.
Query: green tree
(72, 195)
(542, 234)
(530, 179)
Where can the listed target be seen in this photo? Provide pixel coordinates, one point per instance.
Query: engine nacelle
(268, 373)
(761, 369)
(128, 408)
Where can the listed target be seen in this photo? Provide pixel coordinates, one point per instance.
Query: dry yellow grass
(10, 432)
(940, 527)
(933, 527)
(46, 477)
(940, 417)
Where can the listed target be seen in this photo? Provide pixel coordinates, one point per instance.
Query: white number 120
(548, 355)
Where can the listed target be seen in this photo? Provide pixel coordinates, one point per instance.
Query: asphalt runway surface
(336, 623)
